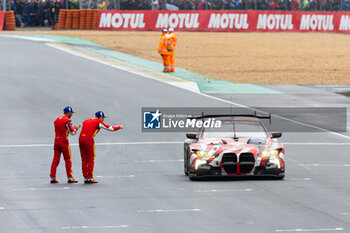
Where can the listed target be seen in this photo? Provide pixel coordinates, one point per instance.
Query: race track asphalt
(142, 186)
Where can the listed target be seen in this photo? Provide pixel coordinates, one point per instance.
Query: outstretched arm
(105, 126)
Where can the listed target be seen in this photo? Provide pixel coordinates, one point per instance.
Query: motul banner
(234, 21)
(1, 19)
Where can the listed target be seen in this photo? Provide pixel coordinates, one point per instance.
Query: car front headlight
(199, 162)
(209, 154)
(275, 160)
(270, 153)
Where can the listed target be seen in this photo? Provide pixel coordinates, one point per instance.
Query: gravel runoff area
(287, 58)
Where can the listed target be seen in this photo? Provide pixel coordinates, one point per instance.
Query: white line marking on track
(173, 142)
(136, 143)
(2, 208)
(306, 179)
(129, 176)
(217, 191)
(324, 165)
(317, 143)
(311, 230)
(41, 189)
(159, 161)
(161, 211)
(93, 227)
(345, 213)
(96, 144)
(29, 38)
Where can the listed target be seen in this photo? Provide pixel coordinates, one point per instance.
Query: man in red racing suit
(63, 127)
(87, 144)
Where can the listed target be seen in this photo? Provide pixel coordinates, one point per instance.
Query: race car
(240, 147)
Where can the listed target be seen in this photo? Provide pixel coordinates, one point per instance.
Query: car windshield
(236, 128)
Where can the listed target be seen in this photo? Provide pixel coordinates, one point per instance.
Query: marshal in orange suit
(172, 40)
(163, 50)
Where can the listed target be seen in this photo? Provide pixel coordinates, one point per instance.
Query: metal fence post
(4, 5)
(67, 4)
(163, 4)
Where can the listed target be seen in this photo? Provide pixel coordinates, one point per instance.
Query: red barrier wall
(240, 21)
(1, 19)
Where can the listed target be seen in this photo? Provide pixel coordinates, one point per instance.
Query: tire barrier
(10, 21)
(82, 19)
(69, 20)
(77, 19)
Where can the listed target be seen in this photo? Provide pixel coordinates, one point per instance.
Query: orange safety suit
(172, 40)
(163, 51)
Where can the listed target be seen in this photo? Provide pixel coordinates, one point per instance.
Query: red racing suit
(63, 127)
(87, 144)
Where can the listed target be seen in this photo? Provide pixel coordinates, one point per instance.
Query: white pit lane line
(317, 143)
(164, 211)
(218, 190)
(297, 179)
(129, 176)
(93, 227)
(41, 189)
(311, 230)
(96, 144)
(160, 143)
(159, 161)
(324, 165)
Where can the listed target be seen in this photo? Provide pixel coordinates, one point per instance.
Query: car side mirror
(276, 134)
(191, 135)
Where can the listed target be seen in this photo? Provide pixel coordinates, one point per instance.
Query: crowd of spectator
(306, 5)
(36, 12)
(45, 12)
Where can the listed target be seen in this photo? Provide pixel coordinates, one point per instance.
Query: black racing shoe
(90, 181)
(71, 180)
(53, 180)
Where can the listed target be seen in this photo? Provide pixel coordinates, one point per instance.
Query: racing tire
(279, 177)
(185, 164)
(193, 177)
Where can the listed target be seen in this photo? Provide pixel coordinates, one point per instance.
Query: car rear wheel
(186, 163)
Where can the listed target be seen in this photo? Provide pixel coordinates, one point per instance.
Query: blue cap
(100, 114)
(68, 109)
